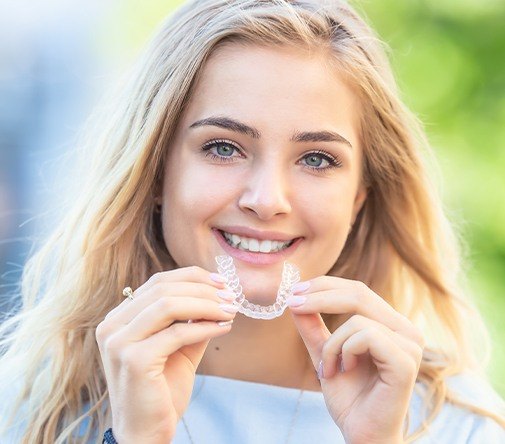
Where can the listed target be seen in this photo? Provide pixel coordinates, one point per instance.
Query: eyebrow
(227, 123)
(239, 127)
(320, 136)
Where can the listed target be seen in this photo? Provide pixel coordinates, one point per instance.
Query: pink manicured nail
(295, 301)
(300, 287)
(228, 308)
(225, 323)
(320, 372)
(218, 278)
(227, 295)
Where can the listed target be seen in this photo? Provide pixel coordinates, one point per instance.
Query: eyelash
(332, 161)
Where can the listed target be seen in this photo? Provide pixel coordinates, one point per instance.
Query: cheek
(191, 194)
(328, 207)
(327, 212)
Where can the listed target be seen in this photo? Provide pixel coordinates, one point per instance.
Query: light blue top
(229, 411)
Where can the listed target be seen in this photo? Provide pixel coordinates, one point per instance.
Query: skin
(267, 185)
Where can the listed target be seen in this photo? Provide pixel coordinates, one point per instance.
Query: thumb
(314, 333)
(195, 351)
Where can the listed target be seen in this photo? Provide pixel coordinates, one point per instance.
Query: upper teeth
(255, 245)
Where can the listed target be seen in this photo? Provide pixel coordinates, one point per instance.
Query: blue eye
(317, 158)
(223, 148)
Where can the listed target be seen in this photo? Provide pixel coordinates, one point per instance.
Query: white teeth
(265, 246)
(255, 245)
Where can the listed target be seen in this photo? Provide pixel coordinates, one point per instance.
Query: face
(267, 150)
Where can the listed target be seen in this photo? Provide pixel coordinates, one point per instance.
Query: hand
(150, 354)
(380, 351)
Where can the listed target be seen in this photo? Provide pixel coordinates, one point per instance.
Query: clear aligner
(290, 276)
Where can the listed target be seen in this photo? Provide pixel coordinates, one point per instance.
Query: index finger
(335, 295)
(193, 274)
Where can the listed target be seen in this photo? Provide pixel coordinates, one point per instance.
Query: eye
(220, 150)
(315, 160)
(320, 161)
(224, 149)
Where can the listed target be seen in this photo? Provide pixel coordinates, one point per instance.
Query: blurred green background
(449, 57)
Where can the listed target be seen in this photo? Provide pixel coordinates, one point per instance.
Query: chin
(260, 294)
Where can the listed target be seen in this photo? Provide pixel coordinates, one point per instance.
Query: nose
(266, 192)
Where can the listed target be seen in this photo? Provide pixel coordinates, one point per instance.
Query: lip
(256, 258)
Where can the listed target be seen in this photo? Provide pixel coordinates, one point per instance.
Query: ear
(359, 201)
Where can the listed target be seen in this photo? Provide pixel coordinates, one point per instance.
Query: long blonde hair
(401, 244)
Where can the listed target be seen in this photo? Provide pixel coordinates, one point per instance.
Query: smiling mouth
(255, 245)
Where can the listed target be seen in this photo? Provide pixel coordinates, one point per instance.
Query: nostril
(265, 205)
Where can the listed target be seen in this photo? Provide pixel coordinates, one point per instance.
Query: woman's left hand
(380, 351)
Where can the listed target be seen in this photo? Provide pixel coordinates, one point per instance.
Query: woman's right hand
(150, 359)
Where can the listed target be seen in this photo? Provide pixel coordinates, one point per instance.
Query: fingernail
(229, 308)
(342, 368)
(227, 295)
(320, 374)
(295, 301)
(225, 323)
(218, 278)
(300, 287)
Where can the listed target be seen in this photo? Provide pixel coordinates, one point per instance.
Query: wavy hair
(401, 244)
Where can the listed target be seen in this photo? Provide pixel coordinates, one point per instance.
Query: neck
(268, 352)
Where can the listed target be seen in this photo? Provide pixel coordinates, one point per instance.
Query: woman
(250, 127)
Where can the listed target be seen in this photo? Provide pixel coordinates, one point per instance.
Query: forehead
(273, 84)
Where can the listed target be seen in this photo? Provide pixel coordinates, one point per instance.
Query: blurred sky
(57, 58)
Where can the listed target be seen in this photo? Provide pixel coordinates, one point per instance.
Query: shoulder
(475, 389)
(460, 423)
(13, 422)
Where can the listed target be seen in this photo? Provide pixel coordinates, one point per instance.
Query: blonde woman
(265, 131)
